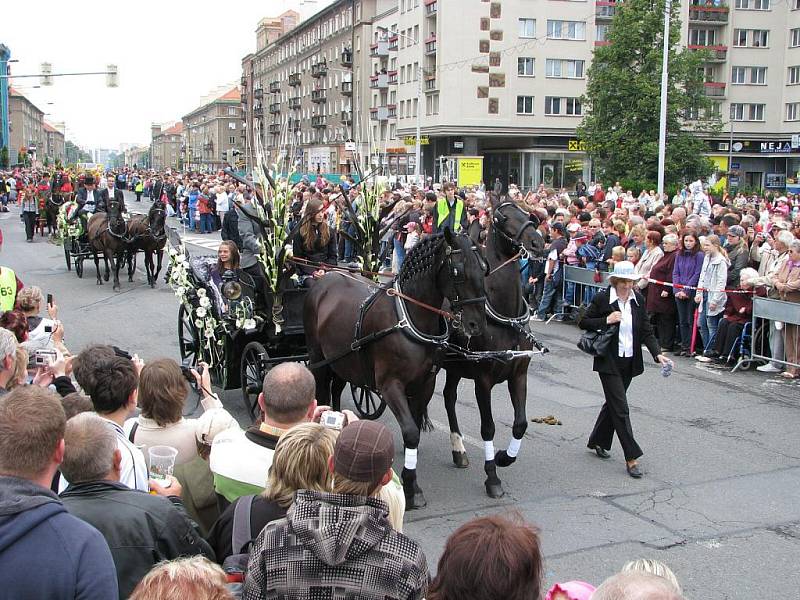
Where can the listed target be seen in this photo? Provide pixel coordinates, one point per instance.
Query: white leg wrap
(488, 449)
(513, 447)
(411, 458)
(457, 442)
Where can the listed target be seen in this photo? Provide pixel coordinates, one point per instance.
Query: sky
(169, 53)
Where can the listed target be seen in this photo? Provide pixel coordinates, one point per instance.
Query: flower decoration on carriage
(67, 229)
(197, 304)
(369, 218)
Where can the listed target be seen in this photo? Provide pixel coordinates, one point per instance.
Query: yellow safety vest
(8, 289)
(443, 211)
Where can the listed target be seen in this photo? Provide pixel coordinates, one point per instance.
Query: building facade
(213, 129)
(54, 149)
(138, 157)
(26, 125)
(166, 147)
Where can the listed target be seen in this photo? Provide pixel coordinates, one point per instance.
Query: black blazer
(102, 204)
(595, 319)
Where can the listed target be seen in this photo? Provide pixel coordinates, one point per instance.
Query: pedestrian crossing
(209, 242)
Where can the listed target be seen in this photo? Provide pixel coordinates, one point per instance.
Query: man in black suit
(110, 192)
(622, 307)
(156, 189)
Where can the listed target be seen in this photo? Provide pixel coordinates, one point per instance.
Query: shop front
(761, 164)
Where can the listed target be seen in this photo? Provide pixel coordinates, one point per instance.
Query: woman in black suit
(622, 307)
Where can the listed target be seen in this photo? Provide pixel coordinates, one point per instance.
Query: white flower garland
(197, 304)
(64, 227)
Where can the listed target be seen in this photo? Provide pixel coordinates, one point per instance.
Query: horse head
(460, 278)
(518, 229)
(157, 217)
(116, 224)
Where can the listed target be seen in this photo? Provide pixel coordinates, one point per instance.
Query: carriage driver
(91, 201)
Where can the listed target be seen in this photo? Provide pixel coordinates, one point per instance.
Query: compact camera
(44, 358)
(333, 420)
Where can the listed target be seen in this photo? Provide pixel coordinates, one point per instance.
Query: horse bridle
(457, 268)
(119, 217)
(160, 209)
(499, 219)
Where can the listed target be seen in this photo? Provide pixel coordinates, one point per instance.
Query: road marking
(203, 242)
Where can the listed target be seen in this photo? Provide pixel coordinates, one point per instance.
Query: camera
(186, 371)
(44, 358)
(332, 420)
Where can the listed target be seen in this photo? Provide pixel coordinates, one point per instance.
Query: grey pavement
(719, 502)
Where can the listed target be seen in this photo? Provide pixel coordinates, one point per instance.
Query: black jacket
(140, 529)
(595, 319)
(102, 203)
(318, 253)
(156, 189)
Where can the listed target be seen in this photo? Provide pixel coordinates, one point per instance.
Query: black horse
(55, 201)
(107, 234)
(147, 232)
(391, 339)
(512, 233)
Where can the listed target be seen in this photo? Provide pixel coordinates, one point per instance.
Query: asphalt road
(719, 503)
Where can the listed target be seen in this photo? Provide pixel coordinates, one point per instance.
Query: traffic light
(111, 76)
(45, 78)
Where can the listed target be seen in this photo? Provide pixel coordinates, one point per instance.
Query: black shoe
(634, 471)
(601, 452)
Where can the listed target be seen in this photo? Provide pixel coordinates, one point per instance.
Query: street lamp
(417, 145)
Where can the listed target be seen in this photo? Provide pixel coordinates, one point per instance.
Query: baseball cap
(736, 230)
(559, 227)
(364, 452)
(211, 423)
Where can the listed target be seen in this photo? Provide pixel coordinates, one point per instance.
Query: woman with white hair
(621, 308)
(738, 311)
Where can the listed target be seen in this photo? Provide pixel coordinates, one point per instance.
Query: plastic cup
(162, 463)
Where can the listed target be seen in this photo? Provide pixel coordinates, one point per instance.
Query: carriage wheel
(368, 404)
(253, 369)
(187, 337)
(79, 267)
(67, 250)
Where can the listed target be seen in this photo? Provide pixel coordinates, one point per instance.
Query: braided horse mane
(421, 260)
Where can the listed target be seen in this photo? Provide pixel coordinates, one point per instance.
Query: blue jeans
(708, 325)
(206, 221)
(686, 308)
(192, 212)
(550, 294)
(349, 249)
(399, 252)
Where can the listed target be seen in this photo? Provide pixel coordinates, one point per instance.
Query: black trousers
(30, 223)
(665, 328)
(727, 334)
(615, 415)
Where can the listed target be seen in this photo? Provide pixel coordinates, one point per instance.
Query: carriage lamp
(231, 288)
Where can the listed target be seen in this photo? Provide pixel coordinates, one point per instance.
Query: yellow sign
(470, 171)
(411, 140)
(576, 146)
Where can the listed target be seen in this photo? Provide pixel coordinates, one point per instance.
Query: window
(231, 111)
(525, 66)
(760, 38)
(740, 37)
(749, 75)
(562, 106)
(524, 105)
(232, 140)
(601, 32)
(793, 111)
(794, 38)
(756, 112)
(702, 37)
(751, 38)
(794, 75)
(566, 30)
(796, 5)
(737, 112)
(527, 28)
(752, 4)
(747, 112)
(566, 69)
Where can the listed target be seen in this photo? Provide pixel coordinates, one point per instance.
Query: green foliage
(622, 100)
(4, 157)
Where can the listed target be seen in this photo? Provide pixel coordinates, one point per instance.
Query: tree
(4, 157)
(622, 100)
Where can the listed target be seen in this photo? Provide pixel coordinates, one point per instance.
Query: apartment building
(212, 129)
(137, 157)
(300, 98)
(54, 144)
(26, 125)
(167, 147)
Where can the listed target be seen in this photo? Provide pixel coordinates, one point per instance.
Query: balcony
(347, 58)
(716, 53)
(347, 88)
(392, 77)
(319, 121)
(243, 82)
(391, 110)
(275, 108)
(294, 103)
(319, 69)
(379, 81)
(430, 44)
(379, 48)
(274, 87)
(295, 125)
(431, 8)
(708, 15)
(431, 84)
(393, 42)
(258, 110)
(318, 96)
(604, 10)
(258, 93)
(294, 79)
(714, 89)
(346, 117)
(274, 128)
(379, 113)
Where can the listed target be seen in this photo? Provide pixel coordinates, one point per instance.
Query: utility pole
(662, 125)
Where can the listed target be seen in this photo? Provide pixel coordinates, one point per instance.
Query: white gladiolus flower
(249, 324)
(201, 292)
(205, 302)
(200, 312)
(198, 323)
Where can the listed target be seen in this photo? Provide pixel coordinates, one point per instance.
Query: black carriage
(74, 240)
(250, 337)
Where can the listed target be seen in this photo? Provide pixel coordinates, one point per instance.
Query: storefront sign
(784, 146)
(470, 171)
(411, 140)
(350, 146)
(576, 146)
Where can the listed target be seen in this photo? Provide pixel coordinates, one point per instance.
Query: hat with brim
(625, 270)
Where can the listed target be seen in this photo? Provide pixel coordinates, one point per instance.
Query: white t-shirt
(222, 202)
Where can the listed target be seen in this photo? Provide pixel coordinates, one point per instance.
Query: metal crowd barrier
(775, 334)
(579, 288)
